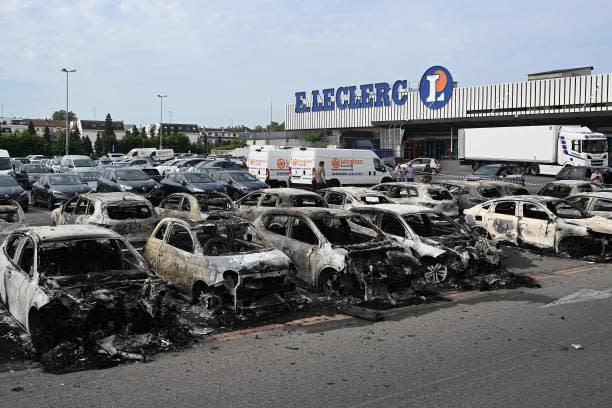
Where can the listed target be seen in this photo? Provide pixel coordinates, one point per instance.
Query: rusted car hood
(251, 263)
(597, 224)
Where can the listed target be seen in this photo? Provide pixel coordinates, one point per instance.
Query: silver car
(595, 203)
(427, 195)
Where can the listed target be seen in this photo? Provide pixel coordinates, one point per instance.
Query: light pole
(161, 118)
(67, 71)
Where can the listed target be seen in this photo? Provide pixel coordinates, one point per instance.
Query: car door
(80, 214)
(501, 221)
(176, 256)
(152, 249)
(602, 207)
(18, 277)
(248, 204)
(275, 228)
(13, 243)
(392, 225)
(66, 212)
(301, 247)
(536, 226)
(170, 207)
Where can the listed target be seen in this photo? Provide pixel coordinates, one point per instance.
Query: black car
(239, 183)
(57, 188)
(129, 180)
(219, 165)
(190, 183)
(153, 173)
(500, 172)
(9, 188)
(28, 174)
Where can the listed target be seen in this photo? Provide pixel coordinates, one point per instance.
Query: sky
(222, 63)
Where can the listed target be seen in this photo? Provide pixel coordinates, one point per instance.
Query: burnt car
(11, 217)
(189, 183)
(73, 282)
(198, 206)
(443, 246)
(594, 203)
(129, 180)
(566, 188)
(423, 194)
(55, 189)
(10, 189)
(507, 188)
(502, 172)
(254, 204)
(542, 222)
(127, 214)
(239, 183)
(350, 197)
(224, 263)
(28, 174)
(340, 253)
(469, 193)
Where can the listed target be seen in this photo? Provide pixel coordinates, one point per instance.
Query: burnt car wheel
(435, 272)
(334, 284)
(480, 232)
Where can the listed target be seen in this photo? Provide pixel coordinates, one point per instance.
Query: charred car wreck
(340, 253)
(11, 217)
(223, 263)
(84, 294)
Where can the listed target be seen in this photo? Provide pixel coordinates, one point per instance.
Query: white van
(342, 167)
(5, 163)
(153, 153)
(75, 162)
(270, 165)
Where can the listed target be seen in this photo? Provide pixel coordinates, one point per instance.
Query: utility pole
(270, 119)
(67, 71)
(161, 119)
(170, 116)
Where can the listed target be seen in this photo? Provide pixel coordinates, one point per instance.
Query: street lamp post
(161, 119)
(67, 71)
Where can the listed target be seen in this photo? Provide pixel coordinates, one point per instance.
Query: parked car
(189, 183)
(419, 164)
(129, 180)
(129, 215)
(11, 217)
(542, 222)
(350, 197)
(223, 263)
(10, 189)
(153, 173)
(443, 246)
(54, 165)
(196, 206)
(507, 188)
(53, 278)
(169, 166)
(239, 183)
(339, 253)
(501, 172)
(582, 173)
(217, 165)
(426, 195)
(76, 163)
(114, 156)
(469, 193)
(254, 204)
(91, 178)
(54, 189)
(566, 188)
(594, 203)
(28, 174)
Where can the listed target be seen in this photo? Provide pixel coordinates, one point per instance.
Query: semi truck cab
(578, 146)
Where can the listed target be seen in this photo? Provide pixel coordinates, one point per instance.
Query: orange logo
(280, 163)
(336, 163)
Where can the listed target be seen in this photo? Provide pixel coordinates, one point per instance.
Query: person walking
(319, 176)
(427, 171)
(409, 173)
(398, 172)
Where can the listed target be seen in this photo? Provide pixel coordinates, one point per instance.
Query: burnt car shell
(11, 217)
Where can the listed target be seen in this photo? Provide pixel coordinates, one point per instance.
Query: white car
(542, 222)
(419, 164)
(423, 194)
(595, 203)
(566, 188)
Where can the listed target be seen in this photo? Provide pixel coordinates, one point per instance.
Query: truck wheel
(534, 170)
(334, 183)
(475, 165)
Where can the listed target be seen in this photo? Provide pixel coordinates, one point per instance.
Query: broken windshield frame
(432, 225)
(230, 239)
(347, 230)
(566, 210)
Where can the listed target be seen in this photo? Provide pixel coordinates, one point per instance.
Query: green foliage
(61, 115)
(229, 144)
(47, 135)
(272, 127)
(315, 138)
(31, 128)
(98, 145)
(86, 146)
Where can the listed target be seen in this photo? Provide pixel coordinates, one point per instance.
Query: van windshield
(5, 163)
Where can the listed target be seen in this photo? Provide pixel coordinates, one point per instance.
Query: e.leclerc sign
(435, 90)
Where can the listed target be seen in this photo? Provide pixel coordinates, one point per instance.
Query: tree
(314, 138)
(61, 115)
(98, 147)
(109, 139)
(272, 127)
(47, 135)
(134, 131)
(86, 145)
(31, 128)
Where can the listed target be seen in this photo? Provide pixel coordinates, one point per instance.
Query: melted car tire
(481, 232)
(334, 284)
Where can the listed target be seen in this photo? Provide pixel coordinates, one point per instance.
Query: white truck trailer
(538, 149)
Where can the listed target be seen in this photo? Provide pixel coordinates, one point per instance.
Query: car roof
(229, 218)
(409, 184)
(570, 182)
(114, 197)
(310, 212)
(531, 198)
(399, 209)
(67, 232)
(596, 194)
(286, 192)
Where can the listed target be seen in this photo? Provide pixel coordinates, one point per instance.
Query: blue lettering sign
(300, 106)
(395, 94)
(328, 104)
(382, 94)
(316, 105)
(353, 104)
(366, 90)
(341, 103)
